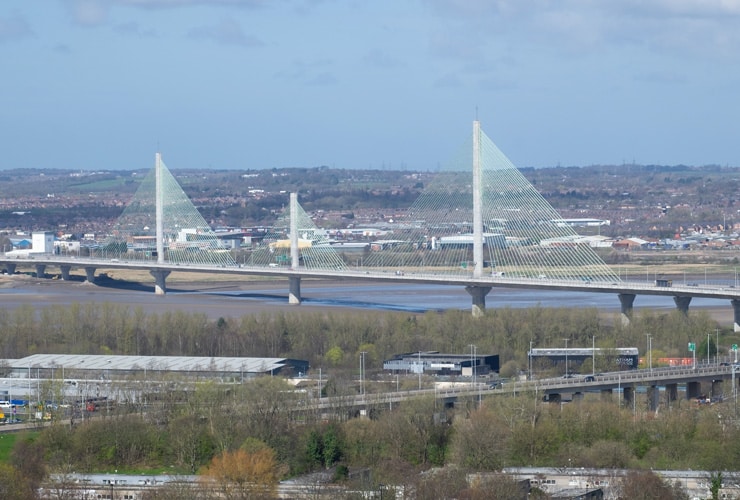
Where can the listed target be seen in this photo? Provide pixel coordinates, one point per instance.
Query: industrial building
(48, 366)
(436, 363)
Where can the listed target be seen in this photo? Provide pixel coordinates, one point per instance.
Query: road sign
(692, 347)
(734, 347)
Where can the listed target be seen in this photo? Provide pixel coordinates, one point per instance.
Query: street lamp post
(420, 369)
(474, 363)
(593, 356)
(530, 359)
(716, 348)
(650, 351)
(734, 390)
(708, 335)
(362, 373)
(566, 357)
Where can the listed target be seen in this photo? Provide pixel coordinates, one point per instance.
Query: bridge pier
(693, 390)
(553, 397)
(160, 276)
(10, 267)
(90, 274)
(671, 391)
(626, 300)
(65, 272)
(716, 388)
(40, 270)
(294, 296)
(478, 293)
(653, 395)
(682, 303)
(629, 395)
(735, 308)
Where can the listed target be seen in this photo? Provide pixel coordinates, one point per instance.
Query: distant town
(624, 207)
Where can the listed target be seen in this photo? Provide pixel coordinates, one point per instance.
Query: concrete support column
(671, 391)
(577, 396)
(478, 293)
(294, 296)
(626, 300)
(65, 272)
(40, 270)
(629, 395)
(716, 388)
(653, 397)
(693, 390)
(682, 303)
(160, 277)
(553, 397)
(90, 274)
(10, 267)
(735, 308)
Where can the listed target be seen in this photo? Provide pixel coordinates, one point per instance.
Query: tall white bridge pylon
(487, 220)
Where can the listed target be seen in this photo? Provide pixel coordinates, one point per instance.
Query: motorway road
(235, 299)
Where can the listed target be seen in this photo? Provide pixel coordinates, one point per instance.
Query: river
(234, 299)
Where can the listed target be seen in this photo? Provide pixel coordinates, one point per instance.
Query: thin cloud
(87, 12)
(323, 79)
(691, 27)
(133, 29)
(169, 4)
(62, 48)
(381, 59)
(14, 28)
(308, 72)
(450, 80)
(227, 32)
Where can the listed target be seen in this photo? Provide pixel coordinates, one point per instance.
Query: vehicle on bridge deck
(663, 283)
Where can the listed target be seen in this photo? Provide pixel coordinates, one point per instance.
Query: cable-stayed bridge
(480, 225)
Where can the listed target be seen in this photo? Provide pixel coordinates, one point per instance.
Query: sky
(381, 84)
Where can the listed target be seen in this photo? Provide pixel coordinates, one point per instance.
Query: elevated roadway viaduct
(478, 288)
(704, 380)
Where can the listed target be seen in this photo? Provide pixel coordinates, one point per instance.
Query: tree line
(334, 339)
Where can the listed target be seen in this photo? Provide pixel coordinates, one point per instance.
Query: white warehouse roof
(154, 363)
